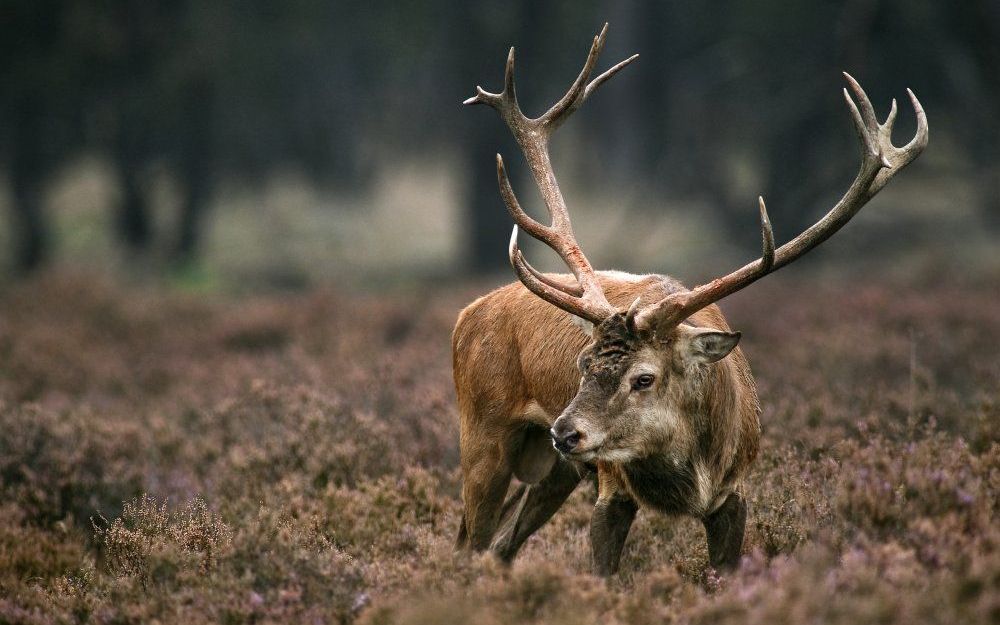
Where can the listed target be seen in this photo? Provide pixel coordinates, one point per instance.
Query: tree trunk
(489, 223)
(28, 171)
(195, 167)
(31, 248)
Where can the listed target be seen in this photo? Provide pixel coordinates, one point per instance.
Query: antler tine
(880, 161)
(504, 102)
(890, 119)
(586, 299)
(919, 140)
(767, 234)
(522, 266)
(521, 218)
(607, 74)
(867, 111)
(895, 158)
(580, 90)
(560, 110)
(508, 77)
(535, 229)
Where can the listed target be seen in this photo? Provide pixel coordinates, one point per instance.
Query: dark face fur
(638, 389)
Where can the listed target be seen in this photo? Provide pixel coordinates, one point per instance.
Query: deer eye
(642, 382)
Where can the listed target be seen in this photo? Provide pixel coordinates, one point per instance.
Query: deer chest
(662, 483)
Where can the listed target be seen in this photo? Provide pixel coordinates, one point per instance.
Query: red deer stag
(654, 394)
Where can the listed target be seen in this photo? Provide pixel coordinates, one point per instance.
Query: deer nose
(564, 438)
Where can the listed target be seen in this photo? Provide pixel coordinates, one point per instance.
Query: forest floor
(294, 458)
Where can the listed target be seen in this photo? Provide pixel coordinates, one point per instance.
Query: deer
(634, 377)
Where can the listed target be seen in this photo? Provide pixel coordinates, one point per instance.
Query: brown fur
(515, 367)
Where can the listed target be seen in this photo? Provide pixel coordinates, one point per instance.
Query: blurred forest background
(243, 144)
(226, 388)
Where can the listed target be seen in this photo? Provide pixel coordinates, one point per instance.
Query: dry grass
(294, 460)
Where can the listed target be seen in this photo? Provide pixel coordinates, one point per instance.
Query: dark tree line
(235, 88)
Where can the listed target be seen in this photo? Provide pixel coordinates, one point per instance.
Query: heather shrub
(295, 459)
(32, 553)
(887, 487)
(272, 566)
(273, 432)
(287, 567)
(67, 464)
(147, 540)
(789, 500)
(387, 515)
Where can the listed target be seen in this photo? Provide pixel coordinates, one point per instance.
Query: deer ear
(708, 345)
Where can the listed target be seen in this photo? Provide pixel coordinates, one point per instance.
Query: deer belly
(534, 459)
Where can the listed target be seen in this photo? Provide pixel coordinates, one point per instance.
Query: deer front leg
(610, 523)
(724, 529)
(609, 528)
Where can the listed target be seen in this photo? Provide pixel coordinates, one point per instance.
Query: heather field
(187, 459)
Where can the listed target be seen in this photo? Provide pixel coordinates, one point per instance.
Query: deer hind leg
(532, 505)
(486, 476)
(724, 529)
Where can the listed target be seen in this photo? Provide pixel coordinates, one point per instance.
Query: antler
(880, 161)
(586, 299)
